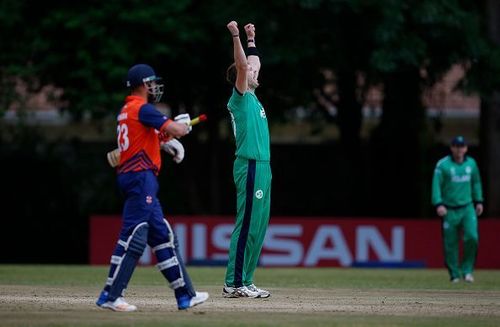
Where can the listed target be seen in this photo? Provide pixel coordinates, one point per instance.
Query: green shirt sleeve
(477, 189)
(237, 101)
(437, 181)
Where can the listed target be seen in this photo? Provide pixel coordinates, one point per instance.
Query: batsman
(457, 196)
(138, 164)
(251, 171)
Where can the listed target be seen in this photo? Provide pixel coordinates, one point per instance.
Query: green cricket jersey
(250, 128)
(456, 184)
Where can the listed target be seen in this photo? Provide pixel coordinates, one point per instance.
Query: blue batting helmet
(139, 74)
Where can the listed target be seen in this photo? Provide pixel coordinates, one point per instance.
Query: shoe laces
(253, 288)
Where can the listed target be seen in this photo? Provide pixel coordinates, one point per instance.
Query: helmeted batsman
(139, 125)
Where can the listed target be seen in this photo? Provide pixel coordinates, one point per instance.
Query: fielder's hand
(184, 119)
(479, 209)
(113, 157)
(175, 149)
(250, 30)
(233, 28)
(441, 211)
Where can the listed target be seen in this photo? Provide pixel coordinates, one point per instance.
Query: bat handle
(194, 121)
(198, 119)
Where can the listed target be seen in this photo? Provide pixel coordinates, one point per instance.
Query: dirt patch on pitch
(380, 302)
(19, 299)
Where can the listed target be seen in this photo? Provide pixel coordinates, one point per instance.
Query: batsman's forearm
(176, 129)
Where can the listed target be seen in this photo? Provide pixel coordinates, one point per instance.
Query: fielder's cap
(458, 141)
(139, 74)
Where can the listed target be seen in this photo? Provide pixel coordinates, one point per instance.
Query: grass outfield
(43, 295)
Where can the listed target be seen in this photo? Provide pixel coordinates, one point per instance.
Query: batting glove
(175, 149)
(184, 119)
(113, 157)
(164, 137)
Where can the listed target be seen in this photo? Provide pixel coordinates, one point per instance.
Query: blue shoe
(186, 302)
(103, 298)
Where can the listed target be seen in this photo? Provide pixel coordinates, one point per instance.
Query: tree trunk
(490, 128)
(490, 154)
(397, 151)
(349, 159)
(349, 112)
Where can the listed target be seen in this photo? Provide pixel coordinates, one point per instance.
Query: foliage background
(51, 184)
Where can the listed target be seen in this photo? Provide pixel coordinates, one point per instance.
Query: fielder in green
(457, 196)
(252, 169)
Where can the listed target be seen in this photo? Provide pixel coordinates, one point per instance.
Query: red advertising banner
(309, 241)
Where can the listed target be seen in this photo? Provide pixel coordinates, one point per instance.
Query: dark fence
(50, 189)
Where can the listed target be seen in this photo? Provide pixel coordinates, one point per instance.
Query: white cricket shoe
(455, 280)
(262, 293)
(469, 278)
(186, 303)
(243, 291)
(119, 305)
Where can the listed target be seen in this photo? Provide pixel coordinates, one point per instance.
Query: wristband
(252, 51)
(250, 40)
(236, 35)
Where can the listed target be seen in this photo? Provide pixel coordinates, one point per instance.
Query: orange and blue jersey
(138, 126)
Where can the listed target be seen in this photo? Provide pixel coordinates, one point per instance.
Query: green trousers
(253, 203)
(455, 222)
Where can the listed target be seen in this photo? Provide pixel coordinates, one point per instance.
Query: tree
(490, 116)
(86, 47)
(425, 38)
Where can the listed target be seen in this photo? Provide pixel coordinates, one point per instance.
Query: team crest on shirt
(259, 194)
(468, 169)
(262, 113)
(149, 199)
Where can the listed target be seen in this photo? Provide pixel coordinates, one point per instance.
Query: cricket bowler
(251, 171)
